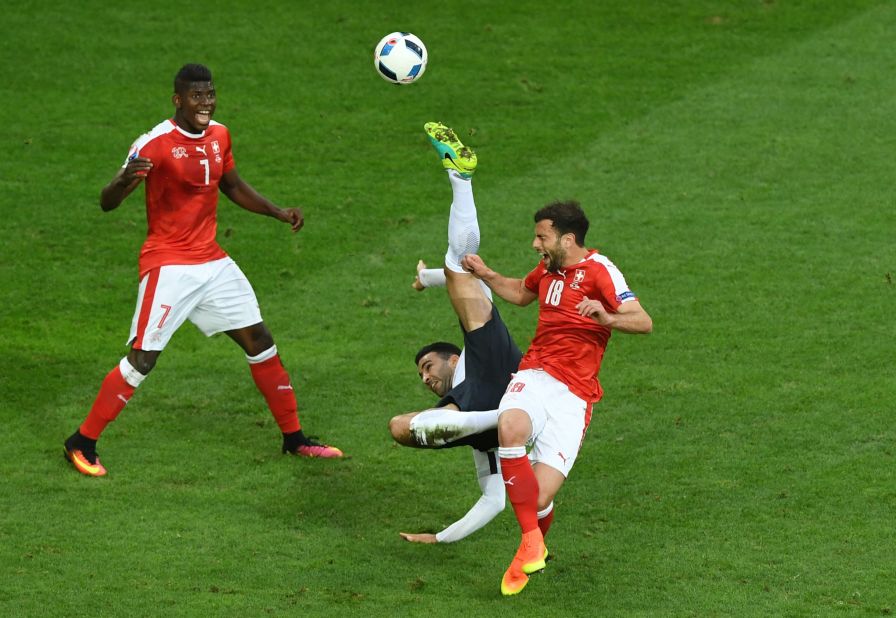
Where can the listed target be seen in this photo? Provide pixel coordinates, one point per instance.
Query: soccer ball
(400, 58)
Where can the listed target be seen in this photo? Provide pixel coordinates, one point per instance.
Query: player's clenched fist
(137, 168)
(294, 217)
(474, 265)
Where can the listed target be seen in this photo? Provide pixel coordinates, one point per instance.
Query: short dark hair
(442, 348)
(567, 218)
(190, 73)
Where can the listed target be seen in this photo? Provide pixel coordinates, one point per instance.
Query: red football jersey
(567, 345)
(182, 193)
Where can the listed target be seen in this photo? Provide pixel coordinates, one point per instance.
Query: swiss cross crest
(178, 152)
(215, 148)
(577, 279)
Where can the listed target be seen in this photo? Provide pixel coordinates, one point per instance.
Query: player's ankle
(293, 440)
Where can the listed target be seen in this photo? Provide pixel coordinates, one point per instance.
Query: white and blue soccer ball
(400, 58)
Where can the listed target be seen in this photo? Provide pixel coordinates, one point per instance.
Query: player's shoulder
(598, 261)
(217, 128)
(160, 130)
(538, 271)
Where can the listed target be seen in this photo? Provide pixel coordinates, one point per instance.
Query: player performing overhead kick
(469, 382)
(184, 273)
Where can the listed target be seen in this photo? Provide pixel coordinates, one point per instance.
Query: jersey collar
(186, 133)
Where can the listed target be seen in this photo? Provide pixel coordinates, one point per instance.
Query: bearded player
(582, 297)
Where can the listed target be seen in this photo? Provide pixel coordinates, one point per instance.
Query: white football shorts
(559, 418)
(215, 296)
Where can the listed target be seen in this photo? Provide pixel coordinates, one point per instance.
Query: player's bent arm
(400, 427)
(631, 317)
(245, 196)
(511, 290)
(486, 508)
(125, 181)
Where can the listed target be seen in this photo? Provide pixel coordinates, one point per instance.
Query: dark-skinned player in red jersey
(184, 273)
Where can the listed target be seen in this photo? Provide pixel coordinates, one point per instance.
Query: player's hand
(595, 309)
(136, 169)
(474, 265)
(294, 217)
(427, 538)
(417, 285)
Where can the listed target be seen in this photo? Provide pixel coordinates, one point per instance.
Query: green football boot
(455, 156)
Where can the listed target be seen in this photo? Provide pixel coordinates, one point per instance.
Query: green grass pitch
(736, 161)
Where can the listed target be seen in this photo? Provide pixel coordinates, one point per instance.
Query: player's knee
(514, 428)
(142, 360)
(256, 339)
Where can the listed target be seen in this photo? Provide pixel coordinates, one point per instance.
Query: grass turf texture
(735, 159)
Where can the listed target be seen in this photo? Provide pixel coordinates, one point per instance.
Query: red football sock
(113, 395)
(545, 523)
(522, 489)
(273, 382)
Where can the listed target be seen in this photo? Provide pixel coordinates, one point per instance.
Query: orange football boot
(83, 464)
(529, 558)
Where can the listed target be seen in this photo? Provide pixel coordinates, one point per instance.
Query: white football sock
(432, 277)
(271, 352)
(463, 226)
(130, 375)
(440, 426)
(511, 452)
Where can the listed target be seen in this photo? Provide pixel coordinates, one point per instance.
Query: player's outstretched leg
(116, 390)
(274, 384)
(454, 155)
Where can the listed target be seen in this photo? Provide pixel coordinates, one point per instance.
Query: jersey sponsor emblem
(510, 480)
(628, 294)
(202, 150)
(516, 387)
(215, 148)
(179, 152)
(579, 278)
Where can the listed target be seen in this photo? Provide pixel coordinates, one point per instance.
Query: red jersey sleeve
(609, 284)
(532, 279)
(228, 155)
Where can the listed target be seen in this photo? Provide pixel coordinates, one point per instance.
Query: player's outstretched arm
(428, 277)
(486, 508)
(511, 290)
(125, 181)
(245, 196)
(438, 427)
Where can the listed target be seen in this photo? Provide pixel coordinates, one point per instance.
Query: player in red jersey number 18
(582, 298)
